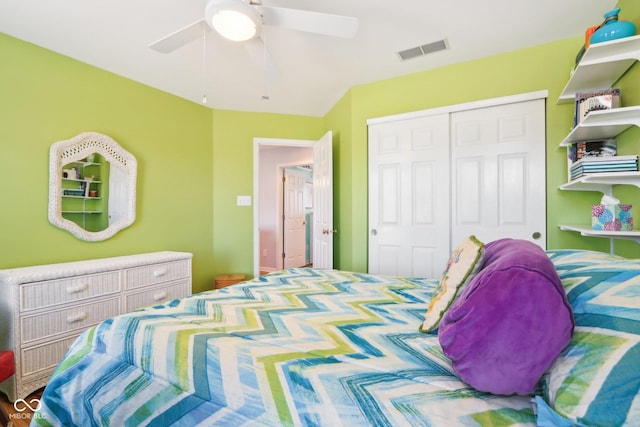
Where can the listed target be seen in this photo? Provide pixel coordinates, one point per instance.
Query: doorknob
(536, 235)
(374, 232)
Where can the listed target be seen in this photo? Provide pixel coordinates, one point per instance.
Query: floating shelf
(81, 212)
(602, 182)
(601, 66)
(604, 124)
(585, 230)
(82, 197)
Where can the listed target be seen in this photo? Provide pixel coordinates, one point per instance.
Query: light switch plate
(244, 201)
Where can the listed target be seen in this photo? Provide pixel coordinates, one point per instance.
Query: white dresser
(44, 308)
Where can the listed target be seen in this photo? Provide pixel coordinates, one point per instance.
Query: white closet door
(498, 172)
(409, 196)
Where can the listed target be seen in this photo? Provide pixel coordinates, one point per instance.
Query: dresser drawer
(74, 318)
(44, 358)
(38, 295)
(157, 295)
(156, 273)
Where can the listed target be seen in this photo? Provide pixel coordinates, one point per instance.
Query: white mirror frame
(78, 148)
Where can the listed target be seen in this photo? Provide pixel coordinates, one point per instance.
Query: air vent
(425, 49)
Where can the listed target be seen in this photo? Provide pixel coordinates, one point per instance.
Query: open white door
(323, 230)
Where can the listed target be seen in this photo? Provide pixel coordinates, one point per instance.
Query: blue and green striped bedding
(304, 347)
(596, 379)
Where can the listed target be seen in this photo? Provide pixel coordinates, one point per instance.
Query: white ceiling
(316, 71)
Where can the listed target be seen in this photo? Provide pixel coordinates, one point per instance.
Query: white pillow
(464, 263)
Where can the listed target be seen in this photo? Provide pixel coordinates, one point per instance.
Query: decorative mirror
(92, 186)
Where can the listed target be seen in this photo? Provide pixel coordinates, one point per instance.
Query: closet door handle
(374, 232)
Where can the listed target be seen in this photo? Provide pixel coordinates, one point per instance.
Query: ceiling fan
(242, 21)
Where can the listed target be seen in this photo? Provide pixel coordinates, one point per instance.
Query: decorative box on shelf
(612, 217)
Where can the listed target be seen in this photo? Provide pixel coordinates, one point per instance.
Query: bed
(315, 347)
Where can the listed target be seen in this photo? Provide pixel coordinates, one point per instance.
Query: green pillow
(464, 263)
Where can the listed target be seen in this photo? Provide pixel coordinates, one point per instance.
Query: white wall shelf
(585, 230)
(601, 66)
(603, 182)
(604, 124)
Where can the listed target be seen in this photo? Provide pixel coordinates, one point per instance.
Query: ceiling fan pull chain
(265, 96)
(204, 64)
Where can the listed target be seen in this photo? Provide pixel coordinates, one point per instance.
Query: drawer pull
(73, 318)
(80, 287)
(158, 273)
(160, 296)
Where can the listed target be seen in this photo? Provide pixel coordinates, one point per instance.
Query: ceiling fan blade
(311, 22)
(181, 37)
(262, 59)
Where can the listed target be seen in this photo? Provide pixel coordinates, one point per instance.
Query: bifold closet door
(409, 196)
(498, 172)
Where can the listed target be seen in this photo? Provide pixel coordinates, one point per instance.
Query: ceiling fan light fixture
(234, 19)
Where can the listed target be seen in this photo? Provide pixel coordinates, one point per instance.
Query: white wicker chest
(44, 308)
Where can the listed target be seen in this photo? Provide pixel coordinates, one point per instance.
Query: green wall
(47, 97)
(194, 161)
(190, 160)
(339, 121)
(233, 134)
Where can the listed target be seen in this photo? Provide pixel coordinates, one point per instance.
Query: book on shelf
(593, 165)
(595, 148)
(586, 102)
(608, 159)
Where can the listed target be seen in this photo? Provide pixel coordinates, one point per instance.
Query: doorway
(267, 176)
(273, 163)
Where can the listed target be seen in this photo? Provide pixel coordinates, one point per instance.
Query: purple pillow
(510, 323)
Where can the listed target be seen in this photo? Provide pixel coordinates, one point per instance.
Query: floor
(19, 414)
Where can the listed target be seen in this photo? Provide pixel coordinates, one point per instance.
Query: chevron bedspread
(299, 347)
